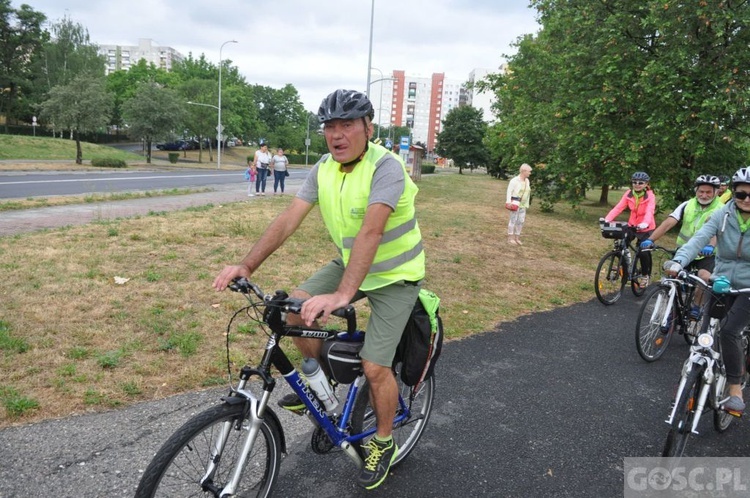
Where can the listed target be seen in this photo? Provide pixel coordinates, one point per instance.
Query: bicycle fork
(668, 308)
(255, 420)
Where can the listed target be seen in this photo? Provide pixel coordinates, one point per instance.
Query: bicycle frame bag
(422, 340)
(341, 359)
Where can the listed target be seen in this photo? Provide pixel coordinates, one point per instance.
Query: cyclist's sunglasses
(639, 183)
(741, 195)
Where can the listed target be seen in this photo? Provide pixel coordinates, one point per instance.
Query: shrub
(312, 158)
(173, 156)
(108, 162)
(428, 168)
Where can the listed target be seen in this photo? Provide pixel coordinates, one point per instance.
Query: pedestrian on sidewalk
(279, 164)
(250, 175)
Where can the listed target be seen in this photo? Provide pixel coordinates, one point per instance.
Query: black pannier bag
(422, 340)
(341, 359)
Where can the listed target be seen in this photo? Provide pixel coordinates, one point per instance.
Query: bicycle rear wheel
(610, 278)
(181, 463)
(679, 432)
(406, 434)
(651, 338)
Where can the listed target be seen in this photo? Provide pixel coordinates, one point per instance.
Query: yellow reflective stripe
(388, 236)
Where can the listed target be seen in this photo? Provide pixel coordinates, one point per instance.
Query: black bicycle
(620, 265)
(234, 448)
(666, 310)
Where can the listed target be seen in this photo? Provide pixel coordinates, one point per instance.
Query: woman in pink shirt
(641, 202)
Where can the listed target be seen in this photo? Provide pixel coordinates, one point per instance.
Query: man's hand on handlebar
(229, 273)
(320, 307)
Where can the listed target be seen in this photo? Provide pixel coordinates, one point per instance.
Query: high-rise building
(421, 103)
(482, 99)
(124, 56)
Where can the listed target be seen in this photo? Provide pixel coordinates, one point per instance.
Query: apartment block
(421, 103)
(122, 57)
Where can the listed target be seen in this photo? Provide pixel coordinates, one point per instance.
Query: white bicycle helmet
(710, 180)
(742, 176)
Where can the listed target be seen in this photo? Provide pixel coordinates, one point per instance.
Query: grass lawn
(73, 340)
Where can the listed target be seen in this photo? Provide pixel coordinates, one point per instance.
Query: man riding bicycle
(728, 225)
(366, 199)
(693, 214)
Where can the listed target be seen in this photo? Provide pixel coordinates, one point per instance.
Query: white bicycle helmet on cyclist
(710, 180)
(741, 176)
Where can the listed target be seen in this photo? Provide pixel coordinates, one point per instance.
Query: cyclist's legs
(737, 319)
(705, 267)
(644, 256)
(390, 307)
(324, 281)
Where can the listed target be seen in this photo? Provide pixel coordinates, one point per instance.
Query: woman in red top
(641, 202)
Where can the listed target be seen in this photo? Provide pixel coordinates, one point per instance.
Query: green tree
(281, 117)
(201, 117)
(124, 84)
(69, 53)
(80, 106)
(608, 88)
(462, 138)
(152, 113)
(21, 40)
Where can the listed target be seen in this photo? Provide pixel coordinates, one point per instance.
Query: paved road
(548, 405)
(29, 220)
(14, 185)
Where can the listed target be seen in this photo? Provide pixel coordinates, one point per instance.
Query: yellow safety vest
(693, 217)
(343, 199)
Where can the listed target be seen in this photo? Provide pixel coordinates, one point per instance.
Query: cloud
(315, 46)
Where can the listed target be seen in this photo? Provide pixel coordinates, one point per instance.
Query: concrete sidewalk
(29, 220)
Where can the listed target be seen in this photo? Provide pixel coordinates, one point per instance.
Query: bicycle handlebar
(292, 304)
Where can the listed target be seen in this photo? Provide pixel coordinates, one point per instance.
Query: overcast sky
(317, 46)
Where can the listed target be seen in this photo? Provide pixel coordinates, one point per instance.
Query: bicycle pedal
(734, 413)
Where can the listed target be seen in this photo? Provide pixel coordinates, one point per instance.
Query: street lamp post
(219, 128)
(369, 57)
(381, 93)
(307, 141)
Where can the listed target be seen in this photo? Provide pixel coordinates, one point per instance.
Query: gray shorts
(390, 308)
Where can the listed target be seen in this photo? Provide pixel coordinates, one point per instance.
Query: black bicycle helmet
(723, 180)
(742, 176)
(345, 104)
(709, 180)
(640, 176)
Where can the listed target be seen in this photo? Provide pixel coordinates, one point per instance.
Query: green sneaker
(291, 402)
(378, 463)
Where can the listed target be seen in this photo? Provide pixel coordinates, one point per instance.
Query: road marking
(87, 180)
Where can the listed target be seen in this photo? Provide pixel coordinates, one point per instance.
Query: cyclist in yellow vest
(693, 214)
(725, 193)
(366, 198)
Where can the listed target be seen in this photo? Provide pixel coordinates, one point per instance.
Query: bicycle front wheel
(181, 464)
(652, 332)
(678, 434)
(610, 278)
(407, 433)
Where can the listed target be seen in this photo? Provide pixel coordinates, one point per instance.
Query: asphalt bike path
(548, 405)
